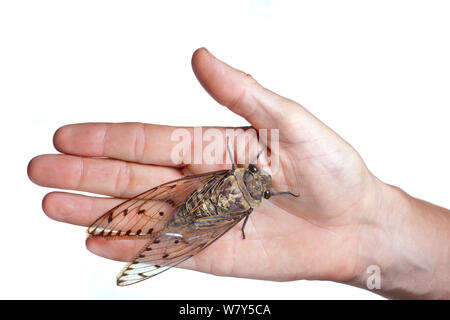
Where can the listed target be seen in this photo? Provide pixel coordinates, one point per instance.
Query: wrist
(405, 243)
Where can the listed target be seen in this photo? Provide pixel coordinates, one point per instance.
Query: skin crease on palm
(320, 235)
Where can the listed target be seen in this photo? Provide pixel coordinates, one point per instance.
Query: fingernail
(209, 52)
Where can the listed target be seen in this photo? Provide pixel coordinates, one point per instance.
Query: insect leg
(243, 225)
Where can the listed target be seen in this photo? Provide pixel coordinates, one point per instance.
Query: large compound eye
(267, 194)
(252, 168)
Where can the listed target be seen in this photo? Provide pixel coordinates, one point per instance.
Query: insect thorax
(227, 197)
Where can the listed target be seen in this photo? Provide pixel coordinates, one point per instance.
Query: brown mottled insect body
(227, 200)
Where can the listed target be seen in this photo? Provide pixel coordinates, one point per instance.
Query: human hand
(315, 236)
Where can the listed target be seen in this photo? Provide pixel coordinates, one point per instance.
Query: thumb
(244, 96)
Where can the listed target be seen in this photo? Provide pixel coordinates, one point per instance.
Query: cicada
(180, 218)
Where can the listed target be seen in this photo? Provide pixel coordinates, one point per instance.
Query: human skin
(344, 221)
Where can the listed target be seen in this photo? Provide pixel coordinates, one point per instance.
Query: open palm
(314, 236)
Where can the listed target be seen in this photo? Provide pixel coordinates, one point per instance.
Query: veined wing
(172, 247)
(146, 214)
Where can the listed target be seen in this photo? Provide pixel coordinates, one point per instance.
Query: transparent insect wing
(170, 249)
(146, 214)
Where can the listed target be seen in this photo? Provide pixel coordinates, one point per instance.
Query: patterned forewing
(147, 214)
(172, 247)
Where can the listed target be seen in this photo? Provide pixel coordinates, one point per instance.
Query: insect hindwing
(178, 219)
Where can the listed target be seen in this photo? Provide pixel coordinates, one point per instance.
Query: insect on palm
(180, 218)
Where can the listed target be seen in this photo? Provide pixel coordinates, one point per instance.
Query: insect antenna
(233, 165)
(257, 157)
(285, 192)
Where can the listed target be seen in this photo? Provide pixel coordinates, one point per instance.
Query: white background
(377, 72)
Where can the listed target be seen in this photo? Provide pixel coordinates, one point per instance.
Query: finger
(135, 142)
(244, 96)
(103, 176)
(156, 143)
(76, 208)
(119, 250)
